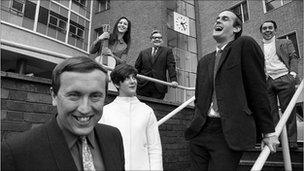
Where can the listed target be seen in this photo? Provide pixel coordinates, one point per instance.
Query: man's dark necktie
(218, 55)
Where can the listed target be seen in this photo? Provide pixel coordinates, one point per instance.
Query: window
(273, 4)
(293, 37)
(17, 5)
(76, 30)
(80, 2)
(103, 5)
(241, 10)
(30, 10)
(57, 22)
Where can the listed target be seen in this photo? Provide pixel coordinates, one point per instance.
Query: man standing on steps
(154, 62)
(281, 63)
(231, 100)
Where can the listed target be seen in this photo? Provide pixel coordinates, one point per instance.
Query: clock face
(181, 23)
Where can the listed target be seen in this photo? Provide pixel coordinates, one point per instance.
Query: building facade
(37, 34)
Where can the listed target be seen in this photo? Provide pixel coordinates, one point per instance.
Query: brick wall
(26, 103)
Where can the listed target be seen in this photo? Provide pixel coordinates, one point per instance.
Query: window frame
(57, 27)
(286, 36)
(282, 4)
(99, 6)
(242, 9)
(16, 10)
(75, 35)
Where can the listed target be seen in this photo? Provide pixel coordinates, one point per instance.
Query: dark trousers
(283, 88)
(150, 90)
(209, 150)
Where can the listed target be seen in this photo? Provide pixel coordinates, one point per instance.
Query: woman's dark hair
(121, 72)
(126, 37)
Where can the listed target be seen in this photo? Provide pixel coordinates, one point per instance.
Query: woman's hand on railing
(271, 141)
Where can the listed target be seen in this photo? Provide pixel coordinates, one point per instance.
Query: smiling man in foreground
(231, 100)
(72, 140)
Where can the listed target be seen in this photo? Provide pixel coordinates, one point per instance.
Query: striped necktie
(87, 158)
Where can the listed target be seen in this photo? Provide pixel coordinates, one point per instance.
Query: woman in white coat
(136, 122)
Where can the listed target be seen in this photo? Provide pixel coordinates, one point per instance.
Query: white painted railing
(154, 80)
(259, 163)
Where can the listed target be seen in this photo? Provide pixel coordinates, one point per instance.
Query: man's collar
(269, 41)
(71, 139)
(222, 48)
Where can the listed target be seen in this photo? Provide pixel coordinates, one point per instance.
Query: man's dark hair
(269, 21)
(237, 23)
(80, 64)
(121, 72)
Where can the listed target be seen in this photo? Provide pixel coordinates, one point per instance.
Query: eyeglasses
(157, 37)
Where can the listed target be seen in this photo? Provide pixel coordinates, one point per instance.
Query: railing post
(285, 147)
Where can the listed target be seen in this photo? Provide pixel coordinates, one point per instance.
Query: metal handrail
(259, 163)
(154, 80)
(175, 111)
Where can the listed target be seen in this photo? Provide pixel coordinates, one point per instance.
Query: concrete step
(275, 161)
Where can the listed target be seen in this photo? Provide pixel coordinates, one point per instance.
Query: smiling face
(127, 88)
(268, 30)
(156, 39)
(223, 30)
(80, 100)
(122, 25)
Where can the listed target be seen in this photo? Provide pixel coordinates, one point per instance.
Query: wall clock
(181, 23)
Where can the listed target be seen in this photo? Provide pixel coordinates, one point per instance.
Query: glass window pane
(64, 12)
(28, 23)
(237, 10)
(43, 15)
(190, 11)
(53, 20)
(80, 33)
(62, 24)
(72, 29)
(272, 4)
(45, 3)
(30, 10)
(55, 8)
(74, 17)
(245, 11)
(41, 28)
(18, 6)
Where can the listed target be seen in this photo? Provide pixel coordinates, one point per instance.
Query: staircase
(274, 161)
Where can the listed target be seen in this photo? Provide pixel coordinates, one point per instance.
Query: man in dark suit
(231, 100)
(154, 62)
(281, 63)
(72, 140)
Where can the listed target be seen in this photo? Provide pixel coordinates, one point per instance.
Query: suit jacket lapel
(211, 65)
(278, 46)
(59, 147)
(106, 153)
(224, 56)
